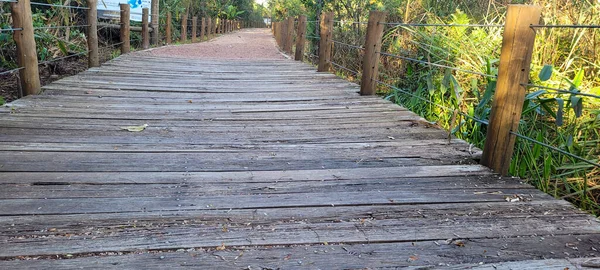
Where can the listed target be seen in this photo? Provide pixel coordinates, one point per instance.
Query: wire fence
(348, 45)
(436, 65)
(58, 6)
(430, 64)
(344, 68)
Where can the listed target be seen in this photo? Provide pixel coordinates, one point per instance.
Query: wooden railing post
(184, 21)
(289, 35)
(145, 32)
(300, 38)
(125, 13)
(194, 26)
(154, 9)
(202, 29)
(92, 34)
(26, 52)
(168, 30)
(515, 60)
(208, 27)
(368, 85)
(326, 27)
(284, 34)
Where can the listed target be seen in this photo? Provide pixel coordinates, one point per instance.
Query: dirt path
(244, 44)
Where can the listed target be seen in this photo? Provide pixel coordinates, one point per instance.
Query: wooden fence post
(184, 22)
(92, 34)
(326, 27)
(300, 38)
(194, 26)
(168, 31)
(289, 36)
(515, 60)
(154, 9)
(202, 29)
(284, 34)
(26, 52)
(368, 84)
(208, 27)
(145, 32)
(125, 13)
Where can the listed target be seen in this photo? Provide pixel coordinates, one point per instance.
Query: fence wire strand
(348, 45)
(433, 103)
(437, 65)
(555, 149)
(344, 68)
(565, 26)
(11, 71)
(60, 6)
(61, 27)
(10, 29)
(440, 25)
(561, 90)
(62, 58)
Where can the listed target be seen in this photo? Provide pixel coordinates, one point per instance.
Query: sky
(261, 1)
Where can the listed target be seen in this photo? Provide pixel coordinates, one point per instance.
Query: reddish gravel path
(255, 43)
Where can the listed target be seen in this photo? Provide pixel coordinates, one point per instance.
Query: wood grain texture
(370, 61)
(92, 34)
(154, 9)
(513, 71)
(26, 47)
(300, 38)
(325, 42)
(125, 28)
(257, 163)
(168, 30)
(145, 29)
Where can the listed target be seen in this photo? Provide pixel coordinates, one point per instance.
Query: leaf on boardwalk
(221, 247)
(135, 128)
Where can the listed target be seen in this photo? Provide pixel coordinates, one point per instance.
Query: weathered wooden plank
(50, 190)
(493, 253)
(243, 177)
(201, 235)
(312, 199)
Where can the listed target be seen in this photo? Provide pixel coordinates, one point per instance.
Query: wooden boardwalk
(257, 164)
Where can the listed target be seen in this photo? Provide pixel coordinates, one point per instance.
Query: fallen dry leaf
(135, 128)
(221, 247)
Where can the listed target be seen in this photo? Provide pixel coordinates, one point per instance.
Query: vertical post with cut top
(513, 72)
(168, 30)
(202, 29)
(326, 27)
(154, 10)
(208, 27)
(92, 34)
(184, 24)
(145, 30)
(125, 32)
(194, 27)
(26, 52)
(300, 38)
(289, 35)
(368, 84)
